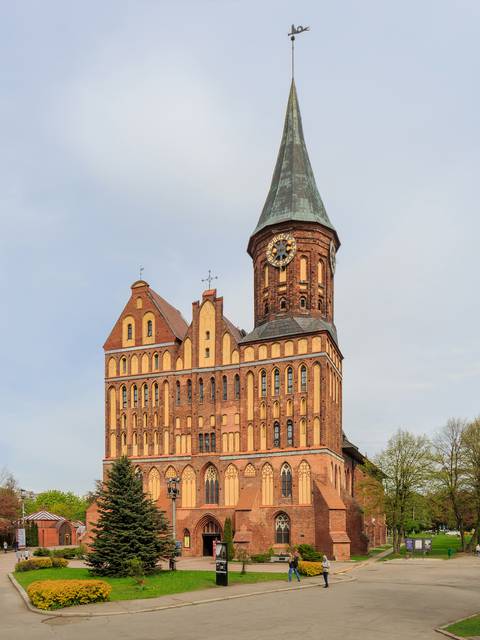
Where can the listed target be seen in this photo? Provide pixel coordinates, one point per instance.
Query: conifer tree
(129, 525)
(228, 538)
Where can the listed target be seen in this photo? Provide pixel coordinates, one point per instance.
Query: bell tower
(294, 244)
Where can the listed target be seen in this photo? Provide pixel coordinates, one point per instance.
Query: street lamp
(173, 491)
(22, 538)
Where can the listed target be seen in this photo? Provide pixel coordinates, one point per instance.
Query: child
(325, 570)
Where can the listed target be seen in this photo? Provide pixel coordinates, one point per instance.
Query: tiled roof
(43, 515)
(289, 326)
(172, 316)
(235, 331)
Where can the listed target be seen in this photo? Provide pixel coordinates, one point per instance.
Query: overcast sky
(146, 132)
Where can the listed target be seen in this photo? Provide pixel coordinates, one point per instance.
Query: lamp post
(173, 491)
(23, 495)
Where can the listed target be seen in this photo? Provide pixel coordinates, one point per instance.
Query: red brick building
(250, 422)
(53, 530)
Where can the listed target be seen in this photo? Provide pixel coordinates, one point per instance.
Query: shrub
(309, 553)
(80, 551)
(310, 568)
(55, 594)
(42, 552)
(33, 563)
(67, 552)
(260, 558)
(59, 563)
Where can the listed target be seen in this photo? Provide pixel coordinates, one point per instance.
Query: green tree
(228, 538)
(406, 464)
(471, 464)
(65, 504)
(129, 525)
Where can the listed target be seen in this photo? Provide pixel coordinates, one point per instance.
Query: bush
(260, 558)
(42, 552)
(67, 552)
(33, 563)
(310, 568)
(59, 563)
(308, 553)
(55, 594)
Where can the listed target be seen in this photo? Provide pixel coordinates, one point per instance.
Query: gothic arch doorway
(209, 530)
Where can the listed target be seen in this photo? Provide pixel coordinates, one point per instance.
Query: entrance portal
(211, 532)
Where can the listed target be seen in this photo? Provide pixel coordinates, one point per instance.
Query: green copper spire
(293, 193)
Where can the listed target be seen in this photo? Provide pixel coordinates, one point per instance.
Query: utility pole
(173, 491)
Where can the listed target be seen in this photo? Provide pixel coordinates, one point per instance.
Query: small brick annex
(53, 530)
(251, 423)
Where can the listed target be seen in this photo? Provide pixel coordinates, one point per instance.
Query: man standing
(325, 570)
(5, 546)
(293, 566)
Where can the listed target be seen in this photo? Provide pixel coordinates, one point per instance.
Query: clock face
(281, 249)
(333, 257)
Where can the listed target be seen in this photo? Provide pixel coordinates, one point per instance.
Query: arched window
(286, 475)
(266, 308)
(189, 488)
(155, 361)
(213, 442)
(237, 386)
(207, 442)
(289, 380)
(282, 529)
(189, 390)
(276, 434)
(129, 331)
(155, 393)
(283, 304)
(263, 383)
(211, 485)
(289, 433)
(276, 382)
(186, 539)
(124, 365)
(124, 397)
(200, 390)
(303, 303)
(231, 486)
(124, 421)
(200, 442)
(303, 378)
(154, 484)
(304, 484)
(177, 392)
(267, 485)
(224, 388)
(145, 395)
(212, 389)
(145, 424)
(320, 304)
(135, 395)
(149, 328)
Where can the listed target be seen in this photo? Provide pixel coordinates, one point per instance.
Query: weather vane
(141, 271)
(209, 279)
(295, 32)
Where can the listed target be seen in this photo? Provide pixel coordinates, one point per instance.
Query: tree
(448, 457)
(471, 462)
(228, 538)
(65, 504)
(9, 503)
(406, 463)
(244, 557)
(129, 525)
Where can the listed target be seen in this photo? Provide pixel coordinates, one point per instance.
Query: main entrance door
(211, 532)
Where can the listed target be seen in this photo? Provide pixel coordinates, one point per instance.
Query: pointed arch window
(135, 395)
(283, 304)
(129, 331)
(286, 476)
(189, 390)
(289, 380)
(149, 328)
(213, 442)
(237, 386)
(276, 382)
(224, 388)
(186, 539)
(211, 485)
(303, 378)
(212, 389)
(303, 302)
(200, 390)
(289, 433)
(177, 392)
(282, 529)
(200, 442)
(155, 361)
(263, 383)
(145, 395)
(156, 393)
(276, 434)
(124, 365)
(124, 397)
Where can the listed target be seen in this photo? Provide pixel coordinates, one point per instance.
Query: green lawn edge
(466, 627)
(161, 583)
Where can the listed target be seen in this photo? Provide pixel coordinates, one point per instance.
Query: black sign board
(221, 564)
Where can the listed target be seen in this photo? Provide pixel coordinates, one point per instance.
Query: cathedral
(249, 422)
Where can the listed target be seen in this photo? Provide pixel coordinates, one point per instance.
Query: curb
(65, 614)
(443, 628)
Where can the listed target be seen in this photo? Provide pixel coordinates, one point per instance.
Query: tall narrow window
(213, 442)
(155, 361)
(200, 442)
(283, 304)
(320, 272)
(129, 331)
(200, 390)
(189, 390)
(276, 382)
(124, 397)
(149, 328)
(211, 486)
(303, 303)
(206, 439)
(177, 393)
(145, 396)
(289, 433)
(237, 387)
(186, 539)
(265, 276)
(212, 389)
(124, 365)
(282, 529)
(224, 388)
(286, 475)
(155, 394)
(135, 395)
(289, 380)
(263, 383)
(303, 378)
(276, 434)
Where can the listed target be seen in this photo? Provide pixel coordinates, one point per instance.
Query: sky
(146, 132)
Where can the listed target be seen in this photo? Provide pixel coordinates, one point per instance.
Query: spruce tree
(129, 525)
(228, 538)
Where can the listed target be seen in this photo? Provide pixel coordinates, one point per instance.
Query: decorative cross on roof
(209, 279)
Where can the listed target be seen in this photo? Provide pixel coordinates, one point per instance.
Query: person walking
(15, 545)
(477, 549)
(325, 570)
(5, 546)
(293, 566)
(26, 553)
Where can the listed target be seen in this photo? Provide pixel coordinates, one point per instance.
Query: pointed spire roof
(293, 193)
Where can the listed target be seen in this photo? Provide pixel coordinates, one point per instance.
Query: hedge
(310, 568)
(55, 594)
(40, 563)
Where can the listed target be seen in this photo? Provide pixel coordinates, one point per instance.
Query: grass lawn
(159, 584)
(466, 628)
(371, 554)
(441, 543)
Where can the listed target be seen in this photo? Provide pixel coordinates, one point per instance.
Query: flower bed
(55, 594)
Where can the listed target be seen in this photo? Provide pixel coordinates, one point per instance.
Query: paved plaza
(396, 599)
